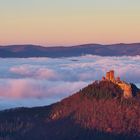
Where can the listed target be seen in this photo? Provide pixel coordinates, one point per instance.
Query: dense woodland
(98, 112)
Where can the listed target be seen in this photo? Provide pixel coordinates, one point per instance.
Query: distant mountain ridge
(25, 51)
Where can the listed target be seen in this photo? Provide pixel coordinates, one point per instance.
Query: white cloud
(53, 79)
(34, 72)
(29, 88)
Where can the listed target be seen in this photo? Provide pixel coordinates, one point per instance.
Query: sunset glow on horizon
(68, 22)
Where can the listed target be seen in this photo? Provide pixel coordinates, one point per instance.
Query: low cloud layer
(41, 81)
(29, 88)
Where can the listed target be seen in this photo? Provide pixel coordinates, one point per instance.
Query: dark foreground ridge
(25, 51)
(99, 111)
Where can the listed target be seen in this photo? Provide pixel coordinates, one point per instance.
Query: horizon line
(80, 44)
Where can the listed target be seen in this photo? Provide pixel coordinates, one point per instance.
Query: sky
(69, 22)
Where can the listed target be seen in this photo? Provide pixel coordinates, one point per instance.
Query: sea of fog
(28, 82)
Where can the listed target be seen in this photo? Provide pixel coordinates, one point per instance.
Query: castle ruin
(126, 87)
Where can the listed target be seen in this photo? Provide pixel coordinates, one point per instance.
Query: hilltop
(99, 111)
(25, 51)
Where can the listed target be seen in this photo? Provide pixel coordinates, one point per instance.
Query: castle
(126, 87)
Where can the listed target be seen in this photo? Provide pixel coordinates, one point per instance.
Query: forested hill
(20, 51)
(97, 111)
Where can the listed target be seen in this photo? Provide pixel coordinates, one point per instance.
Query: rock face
(126, 87)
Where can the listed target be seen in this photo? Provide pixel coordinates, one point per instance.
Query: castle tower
(108, 76)
(112, 77)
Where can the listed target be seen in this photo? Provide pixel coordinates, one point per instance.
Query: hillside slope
(98, 112)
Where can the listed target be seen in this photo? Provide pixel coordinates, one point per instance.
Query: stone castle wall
(127, 90)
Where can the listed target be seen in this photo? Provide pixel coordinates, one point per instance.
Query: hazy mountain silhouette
(94, 49)
(97, 112)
